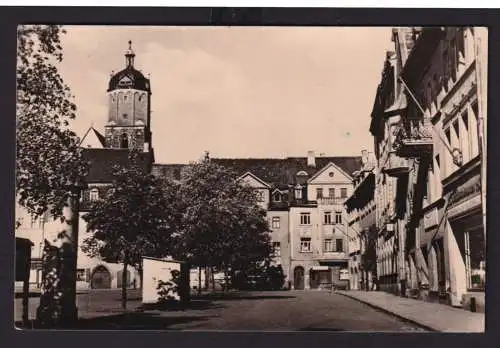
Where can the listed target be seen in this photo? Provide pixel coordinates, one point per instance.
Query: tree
(49, 166)
(223, 225)
(48, 157)
(134, 219)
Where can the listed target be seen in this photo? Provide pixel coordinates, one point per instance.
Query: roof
(137, 80)
(101, 162)
(277, 172)
(98, 138)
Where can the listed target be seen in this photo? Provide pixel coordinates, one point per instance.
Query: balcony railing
(413, 140)
(396, 166)
(331, 200)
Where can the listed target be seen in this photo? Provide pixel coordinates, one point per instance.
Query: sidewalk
(433, 316)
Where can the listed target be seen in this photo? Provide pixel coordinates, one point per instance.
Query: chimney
(311, 160)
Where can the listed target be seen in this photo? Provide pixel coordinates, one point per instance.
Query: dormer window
(94, 195)
(298, 192)
(277, 196)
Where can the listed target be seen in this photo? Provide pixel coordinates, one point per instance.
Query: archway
(298, 278)
(101, 278)
(124, 141)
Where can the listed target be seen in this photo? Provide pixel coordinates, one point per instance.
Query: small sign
(344, 274)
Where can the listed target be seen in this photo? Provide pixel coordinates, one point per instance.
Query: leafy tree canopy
(48, 157)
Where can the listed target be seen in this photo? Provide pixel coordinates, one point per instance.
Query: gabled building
(304, 199)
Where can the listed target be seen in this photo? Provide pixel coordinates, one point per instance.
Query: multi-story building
(362, 233)
(304, 199)
(428, 124)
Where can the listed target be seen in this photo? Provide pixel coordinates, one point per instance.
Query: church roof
(277, 172)
(101, 162)
(134, 79)
(93, 139)
(129, 77)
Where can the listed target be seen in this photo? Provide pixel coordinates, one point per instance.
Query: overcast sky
(239, 91)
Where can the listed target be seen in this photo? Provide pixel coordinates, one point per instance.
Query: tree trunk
(226, 280)
(212, 277)
(124, 284)
(207, 277)
(199, 280)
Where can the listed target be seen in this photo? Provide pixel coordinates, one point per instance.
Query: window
(474, 136)
(80, 275)
(328, 245)
(475, 262)
(124, 141)
(327, 218)
(259, 195)
(276, 222)
(277, 249)
(343, 192)
(298, 192)
(339, 244)
(94, 195)
(277, 197)
(319, 193)
(305, 245)
(338, 217)
(305, 218)
(331, 192)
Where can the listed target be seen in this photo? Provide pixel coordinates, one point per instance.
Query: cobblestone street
(270, 311)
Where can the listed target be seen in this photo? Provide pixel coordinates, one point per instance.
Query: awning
(320, 268)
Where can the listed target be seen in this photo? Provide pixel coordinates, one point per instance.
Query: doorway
(101, 278)
(298, 278)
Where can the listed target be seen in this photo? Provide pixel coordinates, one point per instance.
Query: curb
(386, 311)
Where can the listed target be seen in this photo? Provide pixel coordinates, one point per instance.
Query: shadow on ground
(195, 304)
(132, 321)
(235, 296)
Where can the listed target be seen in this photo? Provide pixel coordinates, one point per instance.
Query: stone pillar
(306, 280)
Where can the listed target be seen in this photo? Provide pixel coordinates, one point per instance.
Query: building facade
(303, 197)
(428, 124)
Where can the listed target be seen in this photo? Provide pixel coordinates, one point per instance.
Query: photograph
(251, 178)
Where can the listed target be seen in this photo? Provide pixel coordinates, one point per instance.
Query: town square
(251, 178)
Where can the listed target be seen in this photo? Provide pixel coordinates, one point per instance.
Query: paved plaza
(271, 311)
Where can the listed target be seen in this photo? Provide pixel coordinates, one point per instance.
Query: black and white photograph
(251, 178)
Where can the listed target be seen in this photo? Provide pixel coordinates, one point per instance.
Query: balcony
(330, 200)
(413, 140)
(396, 166)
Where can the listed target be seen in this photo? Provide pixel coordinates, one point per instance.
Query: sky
(240, 92)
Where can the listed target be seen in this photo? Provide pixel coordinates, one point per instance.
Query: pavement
(242, 311)
(433, 316)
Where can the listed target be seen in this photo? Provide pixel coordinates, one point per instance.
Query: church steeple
(129, 56)
(129, 114)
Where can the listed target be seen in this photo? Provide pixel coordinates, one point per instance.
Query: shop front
(465, 245)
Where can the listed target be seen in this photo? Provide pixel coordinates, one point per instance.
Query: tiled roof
(102, 161)
(277, 172)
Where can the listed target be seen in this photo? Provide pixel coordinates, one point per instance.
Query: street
(268, 311)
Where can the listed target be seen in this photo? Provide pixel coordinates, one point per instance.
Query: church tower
(129, 108)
